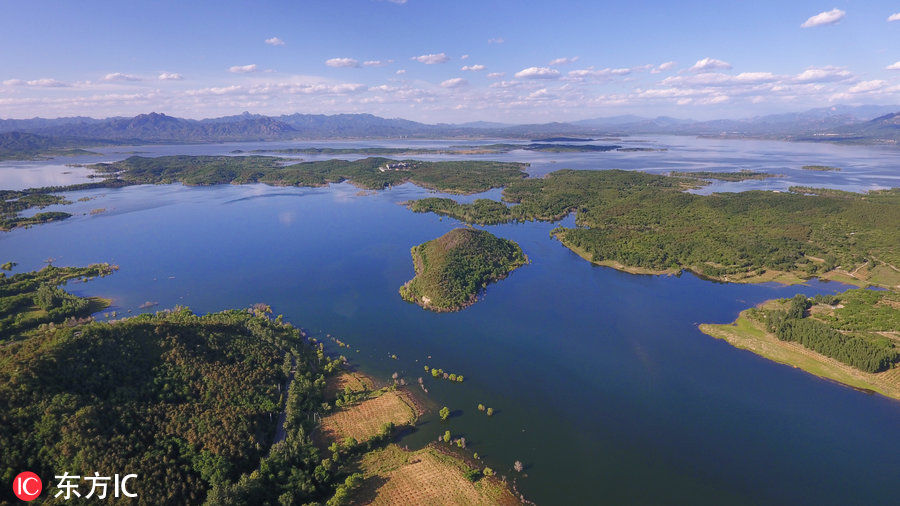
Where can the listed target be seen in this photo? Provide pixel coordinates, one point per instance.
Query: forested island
(742, 175)
(852, 337)
(374, 173)
(213, 409)
(647, 223)
(452, 269)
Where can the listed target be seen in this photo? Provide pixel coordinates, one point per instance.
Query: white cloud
(867, 86)
(662, 67)
(342, 62)
(894, 17)
(707, 64)
(496, 40)
(401, 72)
(823, 75)
(718, 79)
(377, 63)
(274, 41)
(456, 82)
(45, 82)
(893, 66)
(563, 61)
(473, 68)
(537, 73)
(496, 75)
(120, 77)
(464, 57)
(431, 59)
(170, 76)
(243, 69)
(824, 18)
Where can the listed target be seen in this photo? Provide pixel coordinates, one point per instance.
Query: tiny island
(452, 269)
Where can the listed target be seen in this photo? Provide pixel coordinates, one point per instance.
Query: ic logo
(27, 486)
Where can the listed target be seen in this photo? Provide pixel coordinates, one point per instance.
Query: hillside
(188, 403)
(452, 269)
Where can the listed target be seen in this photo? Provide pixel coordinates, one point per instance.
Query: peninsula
(852, 338)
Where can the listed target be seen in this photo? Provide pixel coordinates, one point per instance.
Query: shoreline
(747, 334)
(780, 277)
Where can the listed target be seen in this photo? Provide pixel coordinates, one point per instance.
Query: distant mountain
(155, 127)
(831, 123)
(26, 146)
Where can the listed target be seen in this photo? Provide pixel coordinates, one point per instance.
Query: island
(453, 269)
(820, 168)
(647, 223)
(852, 338)
(373, 173)
(741, 175)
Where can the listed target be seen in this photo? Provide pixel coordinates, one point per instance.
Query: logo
(27, 486)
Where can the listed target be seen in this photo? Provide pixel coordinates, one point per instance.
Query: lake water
(601, 382)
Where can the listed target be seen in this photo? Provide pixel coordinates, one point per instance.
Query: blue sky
(435, 60)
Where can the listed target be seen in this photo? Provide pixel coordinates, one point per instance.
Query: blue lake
(601, 382)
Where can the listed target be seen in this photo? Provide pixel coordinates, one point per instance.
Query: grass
(364, 420)
(426, 476)
(356, 381)
(750, 335)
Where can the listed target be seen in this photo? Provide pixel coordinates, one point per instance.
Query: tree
(518, 466)
(481, 407)
(444, 412)
(490, 411)
(447, 436)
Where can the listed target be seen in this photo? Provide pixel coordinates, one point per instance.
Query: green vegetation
(452, 269)
(742, 175)
(635, 220)
(445, 413)
(820, 168)
(440, 373)
(848, 334)
(29, 299)
(469, 176)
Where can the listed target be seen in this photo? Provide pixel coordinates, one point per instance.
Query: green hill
(452, 269)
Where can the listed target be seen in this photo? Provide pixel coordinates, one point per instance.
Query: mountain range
(861, 124)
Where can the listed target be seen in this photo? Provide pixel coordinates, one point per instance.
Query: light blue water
(601, 382)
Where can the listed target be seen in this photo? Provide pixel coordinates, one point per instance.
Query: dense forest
(844, 327)
(452, 269)
(648, 221)
(188, 403)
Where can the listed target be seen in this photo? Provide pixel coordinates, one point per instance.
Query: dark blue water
(601, 382)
